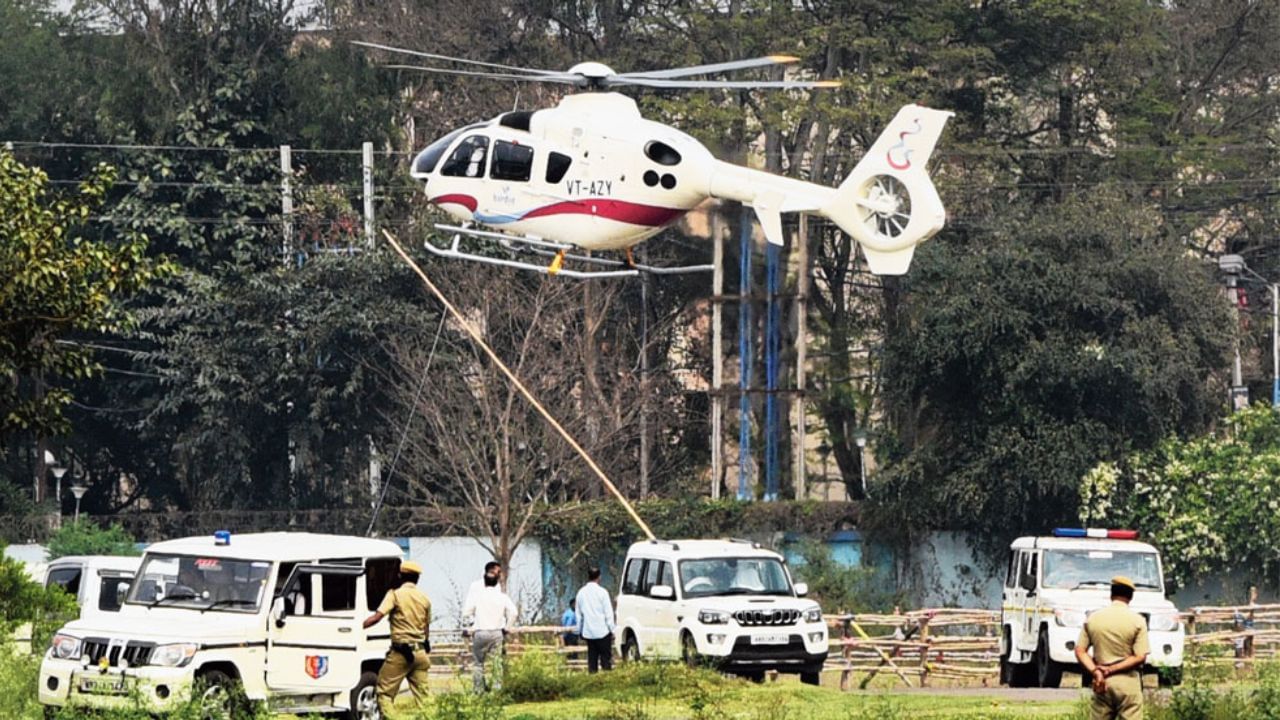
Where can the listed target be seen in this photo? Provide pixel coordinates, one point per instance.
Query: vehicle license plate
(769, 639)
(105, 685)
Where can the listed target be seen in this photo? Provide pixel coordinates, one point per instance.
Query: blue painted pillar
(772, 350)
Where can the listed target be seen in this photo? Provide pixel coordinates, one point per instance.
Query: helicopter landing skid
(546, 248)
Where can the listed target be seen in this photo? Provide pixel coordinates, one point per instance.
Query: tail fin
(888, 204)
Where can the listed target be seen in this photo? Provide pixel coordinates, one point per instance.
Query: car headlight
(1163, 622)
(713, 617)
(1069, 618)
(65, 647)
(813, 615)
(174, 655)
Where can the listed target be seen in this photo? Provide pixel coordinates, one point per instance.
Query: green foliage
(1187, 496)
(23, 600)
(840, 588)
(463, 705)
(59, 281)
(88, 538)
(18, 677)
(535, 676)
(1076, 334)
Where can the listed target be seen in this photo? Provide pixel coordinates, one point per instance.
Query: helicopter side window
(557, 166)
(511, 161)
(468, 158)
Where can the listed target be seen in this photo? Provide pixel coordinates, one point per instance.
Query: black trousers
(600, 653)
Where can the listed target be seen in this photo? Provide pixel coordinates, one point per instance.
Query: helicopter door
(467, 159)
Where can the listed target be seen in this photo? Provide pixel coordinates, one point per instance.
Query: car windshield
(1073, 569)
(733, 576)
(205, 583)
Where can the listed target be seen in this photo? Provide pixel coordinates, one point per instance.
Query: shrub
(536, 676)
(86, 538)
(463, 705)
(22, 600)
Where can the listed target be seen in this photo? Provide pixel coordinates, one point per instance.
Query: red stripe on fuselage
(620, 210)
(465, 201)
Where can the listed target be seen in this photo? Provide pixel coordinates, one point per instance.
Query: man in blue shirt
(595, 622)
(570, 620)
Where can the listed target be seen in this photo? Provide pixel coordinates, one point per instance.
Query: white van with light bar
(1054, 583)
(277, 613)
(726, 603)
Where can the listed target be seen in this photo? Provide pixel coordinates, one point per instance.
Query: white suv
(278, 613)
(730, 603)
(1054, 583)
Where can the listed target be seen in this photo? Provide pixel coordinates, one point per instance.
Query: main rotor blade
(561, 78)
(714, 67)
(617, 80)
(433, 56)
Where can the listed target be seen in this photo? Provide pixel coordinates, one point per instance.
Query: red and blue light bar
(1095, 533)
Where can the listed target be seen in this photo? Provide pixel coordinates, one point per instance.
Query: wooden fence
(951, 646)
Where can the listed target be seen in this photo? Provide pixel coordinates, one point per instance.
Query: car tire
(811, 677)
(218, 695)
(630, 648)
(1012, 674)
(689, 651)
(1048, 671)
(1170, 676)
(364, 698)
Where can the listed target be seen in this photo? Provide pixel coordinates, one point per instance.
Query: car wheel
(1170, 676)
(689, 651)
(1048, 671)
(364, 698)
(217, 695)
(630, 648)
(1012, 674)
(811, 677)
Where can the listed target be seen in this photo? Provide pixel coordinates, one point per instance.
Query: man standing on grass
(492, 614)
(595, 622)
(1118, 636)
(409, 612)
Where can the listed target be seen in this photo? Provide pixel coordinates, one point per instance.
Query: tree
(23, 600)
(60, 282)
(1069, 337)
(1209, 502)
(479, 459)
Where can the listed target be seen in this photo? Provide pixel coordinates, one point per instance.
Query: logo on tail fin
(902, 145)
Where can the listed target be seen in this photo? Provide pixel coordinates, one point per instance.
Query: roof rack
(656, 541)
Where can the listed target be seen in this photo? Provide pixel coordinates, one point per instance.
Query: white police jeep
(277, 613)
(727, 602)
(1054, 583)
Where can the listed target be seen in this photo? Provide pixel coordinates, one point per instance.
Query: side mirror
(662, 592)
(801, 589)
(1027, 583)
(278, 611)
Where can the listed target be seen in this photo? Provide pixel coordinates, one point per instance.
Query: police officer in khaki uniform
(1118, 636)
(409, 612)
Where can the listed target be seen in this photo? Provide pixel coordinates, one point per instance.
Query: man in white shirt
(491, 568)
(595, 622)
(491, 614)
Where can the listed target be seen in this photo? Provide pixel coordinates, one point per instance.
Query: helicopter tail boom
(888, 204)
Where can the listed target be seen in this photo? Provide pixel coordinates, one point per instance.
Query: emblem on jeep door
(317, 665)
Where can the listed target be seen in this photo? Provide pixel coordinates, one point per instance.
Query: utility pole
(366, 171)
(717, 355)
(644, 381)
(286, 200)
(798, 401)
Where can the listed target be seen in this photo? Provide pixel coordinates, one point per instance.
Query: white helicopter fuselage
(593, 174)
(582, 173)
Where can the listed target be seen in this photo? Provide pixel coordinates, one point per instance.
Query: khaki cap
(1122, 580)
(409, 566)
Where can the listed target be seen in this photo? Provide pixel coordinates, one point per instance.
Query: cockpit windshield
(427, 160)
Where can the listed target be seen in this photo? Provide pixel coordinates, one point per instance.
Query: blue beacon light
(222, 537)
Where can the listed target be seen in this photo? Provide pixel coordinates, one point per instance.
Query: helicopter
(592, 174)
